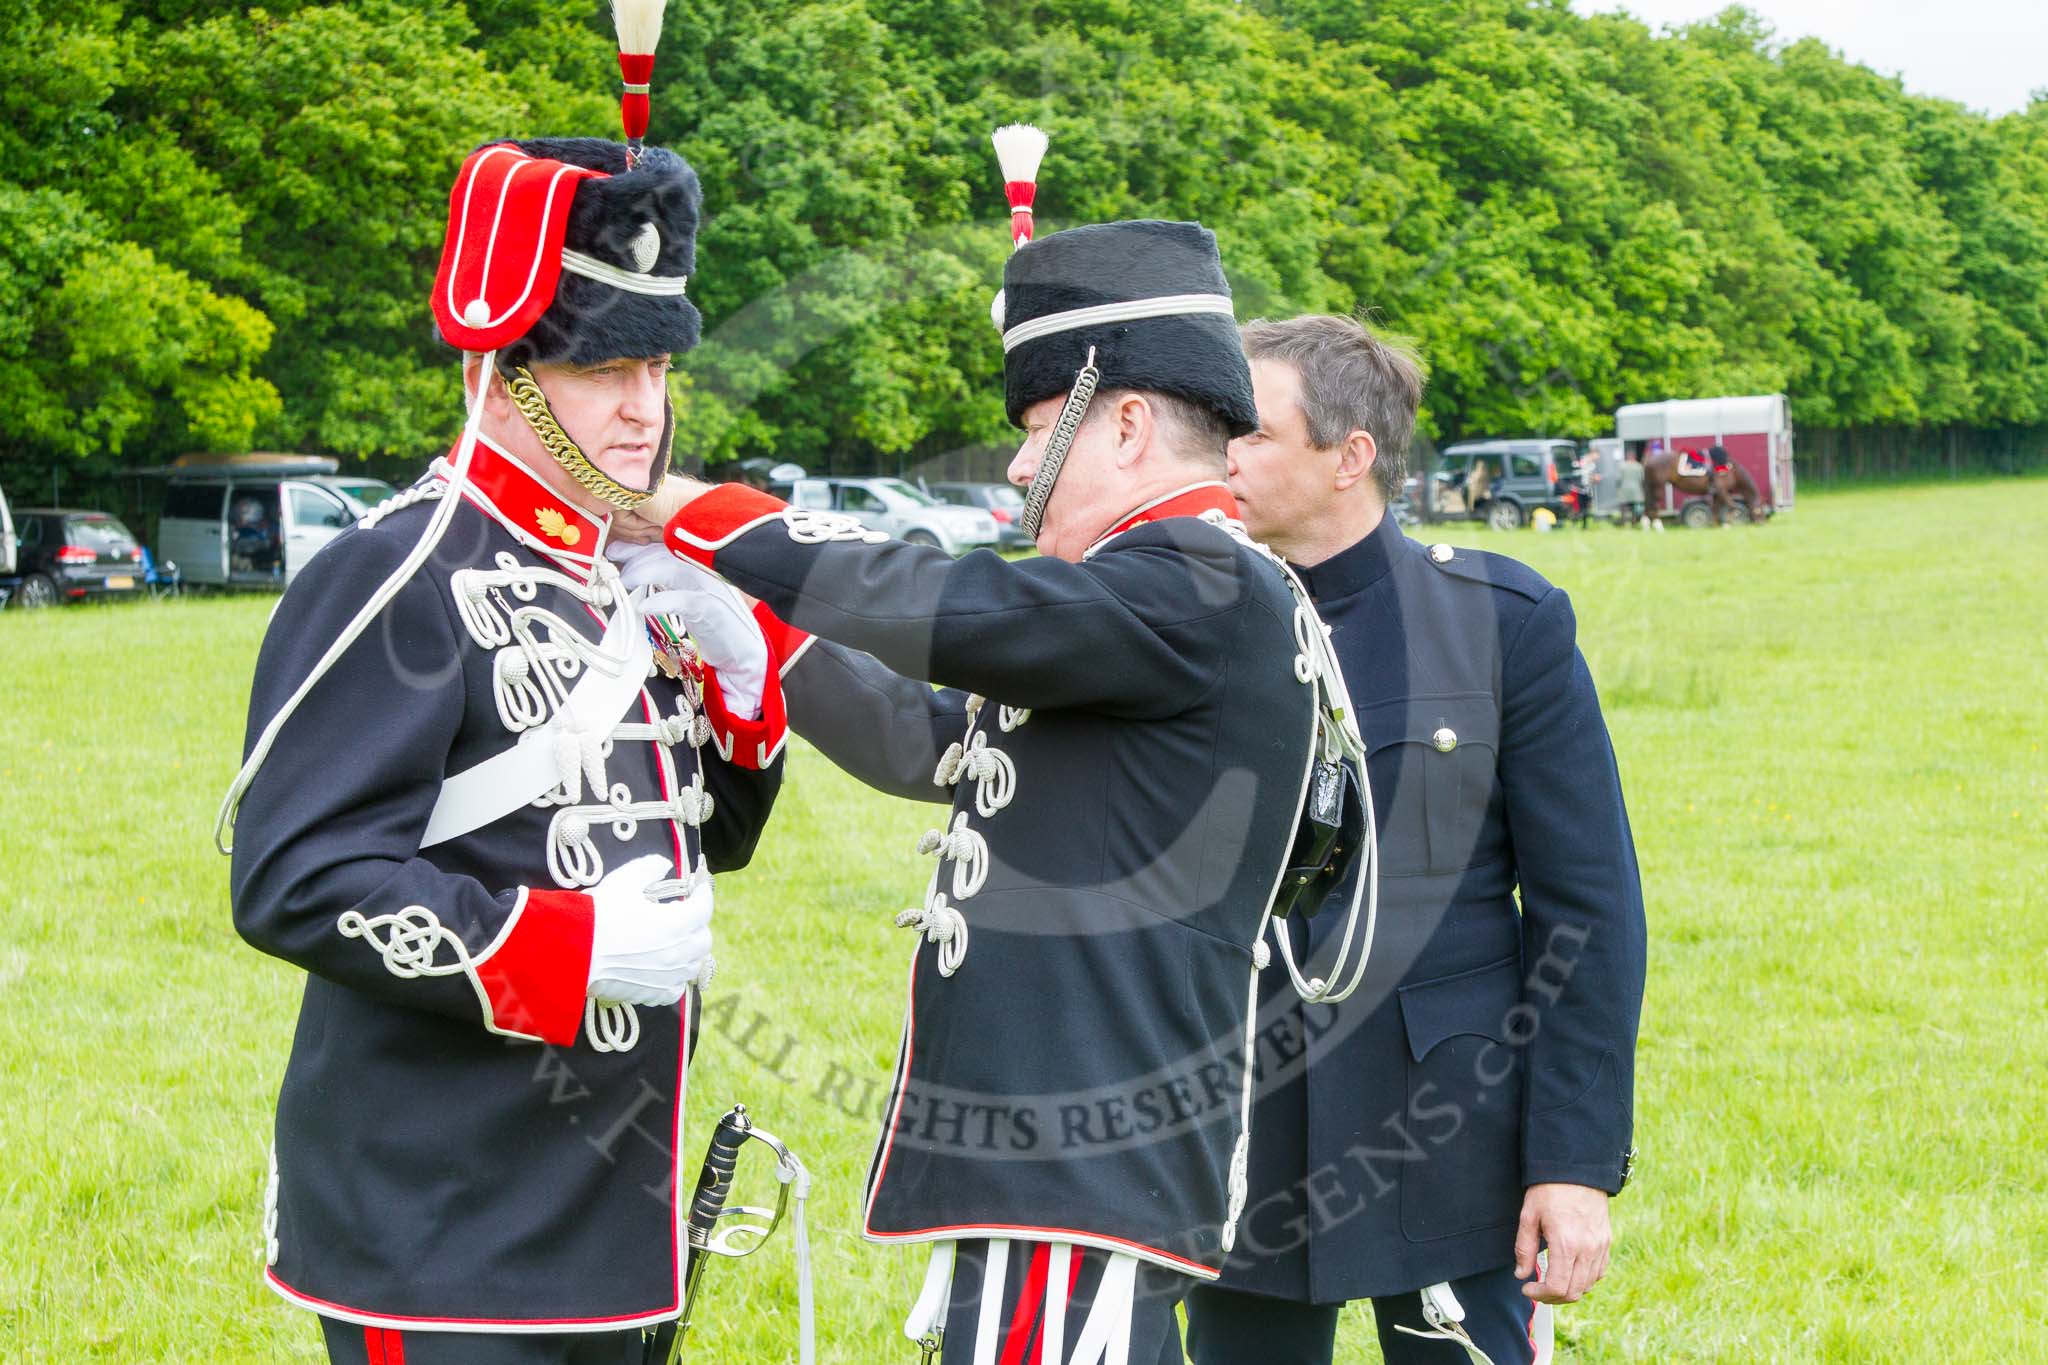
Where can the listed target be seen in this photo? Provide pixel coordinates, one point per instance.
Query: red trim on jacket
(743, 742)
(1188, 502)
(517, 497)
(785, 641)
(710, 523)
(537, 975)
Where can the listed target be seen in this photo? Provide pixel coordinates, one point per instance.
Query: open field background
(1831, 732)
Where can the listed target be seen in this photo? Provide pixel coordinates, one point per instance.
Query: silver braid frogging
(1056, 446)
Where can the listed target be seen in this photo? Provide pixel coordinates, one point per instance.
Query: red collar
(515, 496)
(1192, 501)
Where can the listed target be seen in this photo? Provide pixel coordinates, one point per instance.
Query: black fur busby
(1194, 355)
(642, 221)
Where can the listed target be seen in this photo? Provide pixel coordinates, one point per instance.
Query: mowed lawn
(1831, 734)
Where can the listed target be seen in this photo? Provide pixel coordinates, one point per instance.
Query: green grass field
(1831, 733)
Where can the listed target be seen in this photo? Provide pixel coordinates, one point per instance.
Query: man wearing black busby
(1121, 739)
(482, 802)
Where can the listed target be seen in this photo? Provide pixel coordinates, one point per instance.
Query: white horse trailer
(1756, 431)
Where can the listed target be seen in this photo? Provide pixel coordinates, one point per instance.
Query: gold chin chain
(533, 405)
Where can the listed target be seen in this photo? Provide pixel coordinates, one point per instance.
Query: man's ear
(1137, 429)
(1355, 459)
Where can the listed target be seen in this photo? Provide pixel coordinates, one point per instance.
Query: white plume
(1019, 149)
(638, 23)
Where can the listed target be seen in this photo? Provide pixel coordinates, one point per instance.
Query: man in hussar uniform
(483, 801)
(1121, 739)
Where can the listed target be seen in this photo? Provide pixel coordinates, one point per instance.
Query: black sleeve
(1129, 632)
(741, 799)
(885, 729)
(327, 873)
(1583, 932)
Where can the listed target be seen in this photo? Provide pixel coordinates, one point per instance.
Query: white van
(255, 522)
(10, 549)
(9, 546)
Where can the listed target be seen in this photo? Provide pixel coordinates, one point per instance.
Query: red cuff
(742, 742)
(785, 641)
(713, 521)
(538, 972)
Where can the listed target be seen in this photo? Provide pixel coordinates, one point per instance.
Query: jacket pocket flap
(1455, 721)
(1477, 1001)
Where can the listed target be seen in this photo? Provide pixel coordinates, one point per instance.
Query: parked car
(1502, 482)
(68, 555)
(256, 524)
(899, 508)
(1004, 502)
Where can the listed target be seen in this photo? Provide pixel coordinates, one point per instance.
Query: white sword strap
(1106, 1337)
(504, 782)
(988, 1327)
(1054, 1336)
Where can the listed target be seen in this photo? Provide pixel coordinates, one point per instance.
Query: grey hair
(1352, 379)
(1196, 433)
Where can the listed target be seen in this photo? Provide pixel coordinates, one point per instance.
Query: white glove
(645, 951)
(720, 622)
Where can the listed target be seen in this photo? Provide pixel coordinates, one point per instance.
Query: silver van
(256, 523)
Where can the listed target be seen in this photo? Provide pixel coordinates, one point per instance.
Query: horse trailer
(1755, 430)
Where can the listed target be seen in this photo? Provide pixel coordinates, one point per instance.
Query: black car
(67, 556)
(1000, 500)
(1502, 482)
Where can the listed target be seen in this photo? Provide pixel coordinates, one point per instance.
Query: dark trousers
(348, 1344)
(1020, 1320)
(1226, 1327)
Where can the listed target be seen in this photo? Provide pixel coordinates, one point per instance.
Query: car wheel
(1738, 512)
(920, 538)
(1697, 514)
(1503, 515)
(37, 591)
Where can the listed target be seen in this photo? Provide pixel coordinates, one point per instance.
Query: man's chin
(630, 471)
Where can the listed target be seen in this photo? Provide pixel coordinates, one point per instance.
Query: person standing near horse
(1472, 1104)
(1628, 491)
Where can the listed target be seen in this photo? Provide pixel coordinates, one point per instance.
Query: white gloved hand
(718, 617)
(645, 951)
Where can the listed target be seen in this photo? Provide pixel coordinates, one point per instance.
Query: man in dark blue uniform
(485, 798)
(1122, 740)
(1472, 1103)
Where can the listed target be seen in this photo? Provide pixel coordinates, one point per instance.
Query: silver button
(1441, 553)
(1445, 739)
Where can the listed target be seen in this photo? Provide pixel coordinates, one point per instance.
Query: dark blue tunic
(1490, 1047)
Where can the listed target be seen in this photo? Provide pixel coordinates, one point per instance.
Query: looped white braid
(995, 776)
(967, 850)
(941, 924)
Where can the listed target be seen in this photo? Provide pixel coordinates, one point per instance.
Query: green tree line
(218, 225)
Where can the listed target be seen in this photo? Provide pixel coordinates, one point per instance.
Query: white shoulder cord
(224, 822)
(1337, 727)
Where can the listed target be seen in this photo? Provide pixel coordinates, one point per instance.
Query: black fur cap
(1194, 356)
(590, 320)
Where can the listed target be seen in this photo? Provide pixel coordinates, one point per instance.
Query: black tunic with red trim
(1071, 1063)
(451, 1148)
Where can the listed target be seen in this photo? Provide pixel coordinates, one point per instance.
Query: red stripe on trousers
(383, 1346)
(1017, 1340)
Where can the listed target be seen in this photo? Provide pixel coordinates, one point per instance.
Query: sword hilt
(714, 1182)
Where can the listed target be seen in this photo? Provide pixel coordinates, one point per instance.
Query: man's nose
(1230, 460)
(1022, 466)
(646, 393)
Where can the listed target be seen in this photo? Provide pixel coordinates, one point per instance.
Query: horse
(1732, 487)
